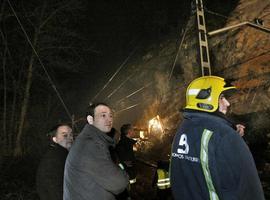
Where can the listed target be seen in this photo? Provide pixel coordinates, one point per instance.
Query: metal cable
(131, 94)
(119, 68)
(215, 13)
(127, 108)
(177, 54)
(116, 89)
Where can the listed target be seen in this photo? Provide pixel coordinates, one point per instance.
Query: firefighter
(162, 181)
(125, 151)
(126, 155)
(209, 159)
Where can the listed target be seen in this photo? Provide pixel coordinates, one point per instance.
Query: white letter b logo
(184, 147)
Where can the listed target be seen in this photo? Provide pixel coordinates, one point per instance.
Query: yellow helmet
(203, 93)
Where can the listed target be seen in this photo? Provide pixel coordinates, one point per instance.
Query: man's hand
(240, 129)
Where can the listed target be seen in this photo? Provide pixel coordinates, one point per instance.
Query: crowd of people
(209, 158)
(98, 166)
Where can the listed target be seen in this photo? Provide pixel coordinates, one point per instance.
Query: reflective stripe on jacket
(163, 179)
(132, 181)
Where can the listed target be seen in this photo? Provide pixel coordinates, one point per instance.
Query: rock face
(243, 55)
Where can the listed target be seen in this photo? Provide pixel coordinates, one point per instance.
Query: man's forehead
(63, 128)
(102, 109)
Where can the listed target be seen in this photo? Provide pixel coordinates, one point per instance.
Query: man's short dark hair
(91, 108)
(125, 128)
(53, 130)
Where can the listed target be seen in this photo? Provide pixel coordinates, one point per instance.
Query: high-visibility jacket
(163, 179)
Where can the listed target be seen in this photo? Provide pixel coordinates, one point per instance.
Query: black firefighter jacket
(124, 151)
(211, 161)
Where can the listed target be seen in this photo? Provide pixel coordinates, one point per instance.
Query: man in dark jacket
(126, 156)
(124, 150)
(50, 172)
(209, 159)
(90, 173)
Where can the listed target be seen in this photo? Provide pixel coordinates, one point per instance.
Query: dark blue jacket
(209, 157)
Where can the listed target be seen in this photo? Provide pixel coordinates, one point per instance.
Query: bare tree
(39, 34)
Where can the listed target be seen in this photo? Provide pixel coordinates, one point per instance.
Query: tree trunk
(5, 136)
(12, 125)
(18, 146)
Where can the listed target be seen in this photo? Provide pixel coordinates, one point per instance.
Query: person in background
(90, 173)
(114, 133)
(50, 173)
(126, 156)
(162, 181)
(209, 160)
(124, 150)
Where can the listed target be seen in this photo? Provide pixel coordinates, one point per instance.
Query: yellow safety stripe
(207, 134)
(163, 179)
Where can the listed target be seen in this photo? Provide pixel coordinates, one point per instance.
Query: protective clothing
(163, 181)
(203, 93)
(211, 161)
(125, 153)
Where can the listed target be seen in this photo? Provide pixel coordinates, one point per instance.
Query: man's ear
(90, 119)
(54, 139)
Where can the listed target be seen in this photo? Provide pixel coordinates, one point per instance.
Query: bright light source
(142, 134)
(155, 124)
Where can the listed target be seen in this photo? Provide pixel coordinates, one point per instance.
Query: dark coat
(90, 172)
(209, 157)
(125, 153)
(50, 173)
(124, 149)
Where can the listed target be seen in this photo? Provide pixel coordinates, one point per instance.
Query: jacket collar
(54, 145)
(95, 133)
(211, 116)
